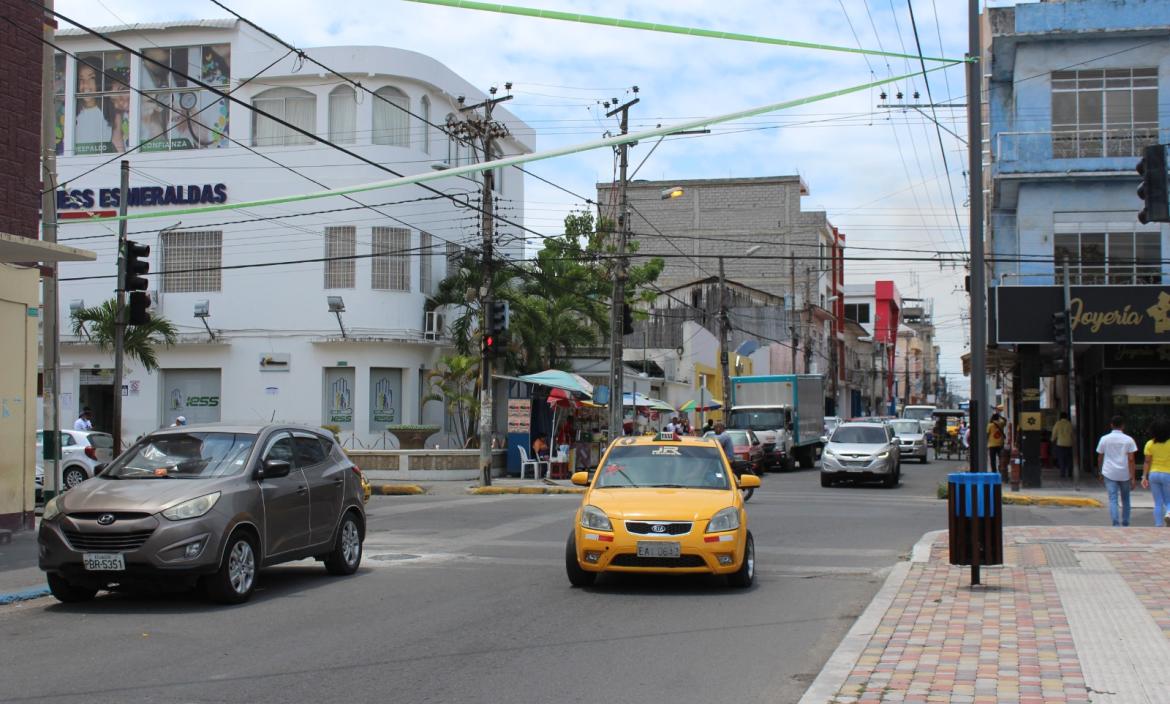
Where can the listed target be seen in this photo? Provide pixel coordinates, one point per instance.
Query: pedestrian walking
(1156, 469)
(725, 441)
(1062, 442)
(995, 440)
(85, 420)
(1115, 451)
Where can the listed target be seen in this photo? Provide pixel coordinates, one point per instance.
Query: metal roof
(152, 26)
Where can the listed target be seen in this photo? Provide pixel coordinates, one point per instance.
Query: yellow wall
(18, 298)
(715, 384)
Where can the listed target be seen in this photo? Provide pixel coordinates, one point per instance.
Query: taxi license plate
(103, 561)
(658, 548)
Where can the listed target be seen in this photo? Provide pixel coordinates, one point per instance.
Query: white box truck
(787, 412)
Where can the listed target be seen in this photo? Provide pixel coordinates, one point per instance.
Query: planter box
(411, 438)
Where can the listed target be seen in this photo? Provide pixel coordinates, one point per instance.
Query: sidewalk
(1090, 488)
(1076, 614)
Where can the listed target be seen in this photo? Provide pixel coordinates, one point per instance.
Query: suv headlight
(828, 452)
(52, 509)
(595, 518)
(725, 520)
(193, 508)
(883, 455)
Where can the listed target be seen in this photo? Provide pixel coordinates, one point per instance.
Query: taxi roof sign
(667, 435)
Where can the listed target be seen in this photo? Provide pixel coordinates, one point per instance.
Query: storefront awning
(556, 379)
(14, 249)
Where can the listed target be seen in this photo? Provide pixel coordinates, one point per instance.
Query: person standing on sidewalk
(1062, 443)
(995, 441)
(1156, 470)
(1115, 451)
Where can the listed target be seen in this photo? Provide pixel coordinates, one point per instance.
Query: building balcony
(1065, 152)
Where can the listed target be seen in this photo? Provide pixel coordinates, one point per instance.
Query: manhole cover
(394, 557)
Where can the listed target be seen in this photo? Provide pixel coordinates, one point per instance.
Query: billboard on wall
(1103, 315)
(191, 393)
(338, 402)
(385, 398)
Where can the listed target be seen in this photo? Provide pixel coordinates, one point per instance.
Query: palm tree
(455, 383)
(139, 341)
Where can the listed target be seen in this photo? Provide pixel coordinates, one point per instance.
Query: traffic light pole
(120, 310)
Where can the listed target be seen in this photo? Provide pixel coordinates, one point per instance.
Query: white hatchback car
(81, 452)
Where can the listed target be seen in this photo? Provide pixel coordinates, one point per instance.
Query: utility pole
(486, 131)
(616, 382)
(724, 340)
(1070, 384)
(51, 395)
(978, 286)
(808, 335)
(792, 306)
(120, 310)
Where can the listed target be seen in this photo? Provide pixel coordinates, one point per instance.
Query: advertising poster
(519, 415)
(101, 116)
(385, 398)
(191, 393)
(174, 112)
(338, 402)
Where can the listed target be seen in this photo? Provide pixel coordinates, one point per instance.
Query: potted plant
(411, 437)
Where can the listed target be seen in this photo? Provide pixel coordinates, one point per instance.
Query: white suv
(81, 452)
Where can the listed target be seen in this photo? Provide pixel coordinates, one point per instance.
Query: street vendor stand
(549, 404)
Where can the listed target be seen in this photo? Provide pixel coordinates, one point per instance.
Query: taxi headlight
(727, 519)
(52, 509)
(595, 518)
(193, 508)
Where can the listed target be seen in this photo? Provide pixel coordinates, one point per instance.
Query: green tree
(455, 383)
(140, 342)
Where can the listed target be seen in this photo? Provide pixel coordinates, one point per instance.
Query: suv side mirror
(273, 469)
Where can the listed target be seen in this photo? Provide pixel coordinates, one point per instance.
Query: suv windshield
(664, 465)
(183, 456)
(906, 427)
(859, 435)
(757, 420)
(918, 412)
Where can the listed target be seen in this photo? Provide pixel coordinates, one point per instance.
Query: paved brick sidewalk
(1076, 614)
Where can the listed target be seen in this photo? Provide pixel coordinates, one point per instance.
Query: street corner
(397, 490)
(500, 490)
(15, 597)
(1037, 500)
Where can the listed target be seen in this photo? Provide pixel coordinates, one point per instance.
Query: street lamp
(337, 307)
(671, 193)
(203, 312)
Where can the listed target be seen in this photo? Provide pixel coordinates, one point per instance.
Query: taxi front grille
(658, 527)
(630, 560)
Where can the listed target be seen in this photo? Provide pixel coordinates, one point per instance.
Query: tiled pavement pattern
(1009, 640)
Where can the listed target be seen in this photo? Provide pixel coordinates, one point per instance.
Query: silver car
(861, 451)
(208, 506)
(911, 438)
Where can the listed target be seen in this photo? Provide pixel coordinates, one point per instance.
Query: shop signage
(519, 413)
(1137, 357)
(141, 196)
(275, 362)
(1097, 314)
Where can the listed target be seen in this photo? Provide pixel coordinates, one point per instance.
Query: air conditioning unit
(433, 325)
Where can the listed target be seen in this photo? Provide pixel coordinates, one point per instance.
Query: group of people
(1117, 465)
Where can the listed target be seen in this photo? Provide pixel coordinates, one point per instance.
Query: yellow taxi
(664, 504)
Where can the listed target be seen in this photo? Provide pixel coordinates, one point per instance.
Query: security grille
(391, 263)
(191, 261)
(339, 252)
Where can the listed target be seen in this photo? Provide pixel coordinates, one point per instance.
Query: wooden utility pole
(616, 381)
(792, 305)
(724, 341)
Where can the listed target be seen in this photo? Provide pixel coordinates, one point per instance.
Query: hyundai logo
(106, 519)
(658, 528)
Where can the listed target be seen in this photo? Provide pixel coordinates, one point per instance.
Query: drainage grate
(393, 557)
(1060, 555)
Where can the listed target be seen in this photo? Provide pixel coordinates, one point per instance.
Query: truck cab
(773, 425)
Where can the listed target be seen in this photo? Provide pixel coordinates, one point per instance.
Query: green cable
(511, 160)
(667, 28)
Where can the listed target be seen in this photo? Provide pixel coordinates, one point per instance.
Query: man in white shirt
(1115, 451)
(85, 420)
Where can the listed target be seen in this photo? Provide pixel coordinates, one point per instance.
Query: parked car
(861, 451)
(662, 504)
(206, 505)
(911, 439)
(82, 451)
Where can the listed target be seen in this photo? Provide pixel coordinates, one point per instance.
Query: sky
(884, 176)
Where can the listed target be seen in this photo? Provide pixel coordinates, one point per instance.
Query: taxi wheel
(577, 576)
(746, 574)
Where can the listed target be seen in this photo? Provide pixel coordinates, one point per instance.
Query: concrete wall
(18, 348)
(20, 120)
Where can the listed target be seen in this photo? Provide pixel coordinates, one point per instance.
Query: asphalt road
(464, 599)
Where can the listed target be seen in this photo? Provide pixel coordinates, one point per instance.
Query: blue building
(1075, 91)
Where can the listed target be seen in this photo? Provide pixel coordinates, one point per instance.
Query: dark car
(206, 505)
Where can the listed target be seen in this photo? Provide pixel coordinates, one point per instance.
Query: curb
(26, 595)
(836, 670)
(397, 490)
(497, 490)
(1029, 500)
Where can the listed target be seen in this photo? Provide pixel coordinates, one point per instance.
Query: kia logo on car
(106, 519)
(658, 528)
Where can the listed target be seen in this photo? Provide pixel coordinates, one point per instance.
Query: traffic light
(135, 282)
(1060, 331)
(627, 319)
(1153, 190)
(497, 325)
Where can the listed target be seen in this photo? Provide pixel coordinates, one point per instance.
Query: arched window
(425, 113)
(391, 123)
(342, 115)
(292, 105)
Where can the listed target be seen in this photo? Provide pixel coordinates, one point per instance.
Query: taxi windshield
(663, 465)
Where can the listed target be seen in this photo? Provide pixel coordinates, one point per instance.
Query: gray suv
(208, 506)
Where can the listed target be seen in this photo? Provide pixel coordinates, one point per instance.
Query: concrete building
(338, 334)
(877, 309)
(916, 365)
(1076, 90)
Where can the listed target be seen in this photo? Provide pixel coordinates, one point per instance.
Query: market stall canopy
(560, 398)
(639, 400)
(692, 405)
(557, 379)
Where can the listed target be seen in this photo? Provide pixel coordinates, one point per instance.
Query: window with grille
(191, 261)
(391, 260)
(425, 278)
(1108, 257)
(339, 253)
(1104, 112)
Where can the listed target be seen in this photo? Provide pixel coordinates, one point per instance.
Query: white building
(278, 350)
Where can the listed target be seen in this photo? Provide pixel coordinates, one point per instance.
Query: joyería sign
(1097, 314)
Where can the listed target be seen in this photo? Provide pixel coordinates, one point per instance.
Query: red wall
(887, 316)
(20, 120)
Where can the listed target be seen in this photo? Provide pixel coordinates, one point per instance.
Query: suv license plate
(658, 548)
(104, 561)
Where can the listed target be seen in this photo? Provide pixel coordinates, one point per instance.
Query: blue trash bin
(975, 518)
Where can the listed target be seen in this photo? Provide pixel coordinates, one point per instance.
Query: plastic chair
(534, 463)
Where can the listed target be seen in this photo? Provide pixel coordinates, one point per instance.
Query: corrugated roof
(151, 26)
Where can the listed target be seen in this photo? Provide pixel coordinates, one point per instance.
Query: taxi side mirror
(749, 481)
(580, 478)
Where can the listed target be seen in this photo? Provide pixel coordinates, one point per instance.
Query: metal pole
(616, 371)
(724, 334)
(50, 288)
(792, 305)
(120, 310)
(1070, 384)
(978, 284)
(486, 402)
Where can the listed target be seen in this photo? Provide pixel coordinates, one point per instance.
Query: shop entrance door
(96, 392)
